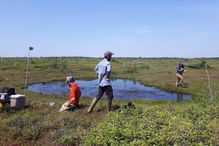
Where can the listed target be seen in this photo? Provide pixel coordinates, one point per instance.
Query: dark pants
(101, 91)
(107, 89)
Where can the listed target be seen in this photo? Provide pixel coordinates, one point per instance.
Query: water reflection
(122, 89)
(179, 97)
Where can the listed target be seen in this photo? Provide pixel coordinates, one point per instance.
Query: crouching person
(75, 94)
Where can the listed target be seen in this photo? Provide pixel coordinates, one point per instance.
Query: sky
(129, 28)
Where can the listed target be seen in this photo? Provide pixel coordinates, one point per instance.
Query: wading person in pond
(75, 93)
(179, 72)
(103, 69)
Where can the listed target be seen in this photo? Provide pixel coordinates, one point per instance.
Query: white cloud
(143, 30)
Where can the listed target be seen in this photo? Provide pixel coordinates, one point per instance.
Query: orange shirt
(75, 93)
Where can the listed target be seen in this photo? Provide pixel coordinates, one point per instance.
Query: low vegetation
(202, 65)
(194, 124)
(143, 122)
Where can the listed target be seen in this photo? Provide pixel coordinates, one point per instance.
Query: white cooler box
(18, 101)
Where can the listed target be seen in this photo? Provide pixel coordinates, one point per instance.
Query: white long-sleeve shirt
(103, 68)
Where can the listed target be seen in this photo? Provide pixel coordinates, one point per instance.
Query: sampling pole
(27, 67)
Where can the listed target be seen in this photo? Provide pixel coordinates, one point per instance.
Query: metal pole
(27, 69)
(27, 65)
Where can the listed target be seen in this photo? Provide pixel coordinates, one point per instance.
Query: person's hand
(66, 104)
(63, 108)
(105, 77)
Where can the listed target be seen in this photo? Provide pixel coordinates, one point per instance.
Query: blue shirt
(103, 69)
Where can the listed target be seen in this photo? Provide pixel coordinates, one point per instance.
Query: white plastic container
(18, 101)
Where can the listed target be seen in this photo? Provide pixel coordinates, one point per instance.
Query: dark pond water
(122, 89)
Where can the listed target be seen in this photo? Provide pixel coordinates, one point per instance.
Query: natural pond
(122, 89)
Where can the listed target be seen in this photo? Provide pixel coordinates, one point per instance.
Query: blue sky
(129, 28)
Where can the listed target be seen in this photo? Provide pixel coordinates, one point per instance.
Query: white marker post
(28, 57)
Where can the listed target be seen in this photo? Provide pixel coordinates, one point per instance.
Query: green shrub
(22, 126)
(158, 125)
(201, 65)
(66, 139)
(26, 125)
(55, 65)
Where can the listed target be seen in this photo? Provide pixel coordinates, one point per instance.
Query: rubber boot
(94, 102)
(1, 105)
(177, 83)
(109, 104)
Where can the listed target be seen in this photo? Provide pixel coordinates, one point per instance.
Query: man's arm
(96, 68)
(108, 71)
(72, 96)
(69, 102)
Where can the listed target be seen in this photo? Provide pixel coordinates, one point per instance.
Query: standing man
(75, 94)
(179, 72)
(103, 69)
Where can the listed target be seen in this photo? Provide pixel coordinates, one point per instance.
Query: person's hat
(108, 53)
(181, 62)
(69, 79)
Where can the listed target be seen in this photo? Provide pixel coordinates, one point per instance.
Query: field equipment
(4, 98)
(8, 96)
(28, 58)
(5, 94)
(18, 101)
